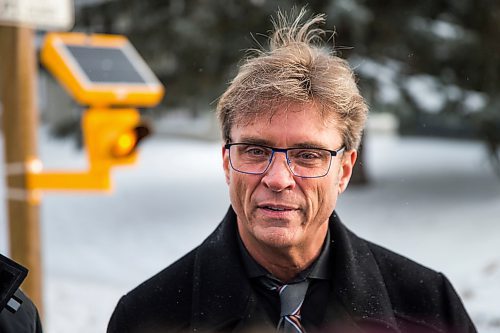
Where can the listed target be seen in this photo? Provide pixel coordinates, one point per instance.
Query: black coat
(373, 290)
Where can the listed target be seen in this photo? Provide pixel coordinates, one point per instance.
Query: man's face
(278, 209)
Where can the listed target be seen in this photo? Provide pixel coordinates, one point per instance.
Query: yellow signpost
(18, 77)
(102, 72)
(17, 92)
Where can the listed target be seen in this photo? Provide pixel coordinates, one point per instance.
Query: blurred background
(428, 184)
(432, 66)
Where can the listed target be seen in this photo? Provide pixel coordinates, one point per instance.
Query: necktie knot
(291, 298)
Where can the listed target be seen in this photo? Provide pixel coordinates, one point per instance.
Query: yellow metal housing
(110, 138)
(103, 129)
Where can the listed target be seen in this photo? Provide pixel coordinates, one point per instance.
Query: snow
(425, 90)
(433, 200)
(428, 92)
(446, 30)
(431, 95)
(384, 73)
(441, 29)
(356, 12)
(475, 101)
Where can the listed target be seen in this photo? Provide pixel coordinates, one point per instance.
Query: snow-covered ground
(435, 201)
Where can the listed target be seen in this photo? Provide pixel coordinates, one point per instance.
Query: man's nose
(278, 176)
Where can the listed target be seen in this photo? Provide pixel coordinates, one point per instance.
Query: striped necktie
(291, 299)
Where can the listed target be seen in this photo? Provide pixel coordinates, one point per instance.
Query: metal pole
(18, 80)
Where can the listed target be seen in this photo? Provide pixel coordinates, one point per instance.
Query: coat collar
(357, 280)
(222, 294)
(221, 291)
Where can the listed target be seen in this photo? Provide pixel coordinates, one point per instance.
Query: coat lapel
(357, 281)
(222, 295)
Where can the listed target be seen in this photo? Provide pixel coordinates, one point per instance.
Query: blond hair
(295, 69)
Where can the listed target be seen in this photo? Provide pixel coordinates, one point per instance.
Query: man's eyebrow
(311, 144)
(255, 141)
(264, 142)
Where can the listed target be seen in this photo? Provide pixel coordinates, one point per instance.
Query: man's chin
(277, 236)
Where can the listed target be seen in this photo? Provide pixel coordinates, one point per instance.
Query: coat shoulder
(403, 272)
(419, 294)
(164, 300)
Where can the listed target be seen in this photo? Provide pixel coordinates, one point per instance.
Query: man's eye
(254, 151)
(308, 155)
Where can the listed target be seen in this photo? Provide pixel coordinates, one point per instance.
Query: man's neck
(284, 263)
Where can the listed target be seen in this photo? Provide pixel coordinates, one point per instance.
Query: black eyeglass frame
(333, 153)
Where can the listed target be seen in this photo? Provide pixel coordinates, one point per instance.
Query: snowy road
(435, 201)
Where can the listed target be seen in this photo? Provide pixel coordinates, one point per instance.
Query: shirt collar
(319, 269)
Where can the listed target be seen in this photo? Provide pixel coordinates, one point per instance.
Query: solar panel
(105, 65)
(101, 70)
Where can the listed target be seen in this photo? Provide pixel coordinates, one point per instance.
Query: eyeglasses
(255, 159)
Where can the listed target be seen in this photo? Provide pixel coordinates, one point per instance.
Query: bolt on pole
(18, 80)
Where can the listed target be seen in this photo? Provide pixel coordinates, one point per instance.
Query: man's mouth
(276, 208)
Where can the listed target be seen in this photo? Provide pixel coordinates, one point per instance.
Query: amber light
(125, 144)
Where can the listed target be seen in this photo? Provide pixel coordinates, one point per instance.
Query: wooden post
(18, 80)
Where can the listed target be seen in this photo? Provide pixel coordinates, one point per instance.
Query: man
(281, 259)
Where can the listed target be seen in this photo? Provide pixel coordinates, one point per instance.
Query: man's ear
(347, 164)
(225, 163)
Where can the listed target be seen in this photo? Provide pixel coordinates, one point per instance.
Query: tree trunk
(359, 174)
